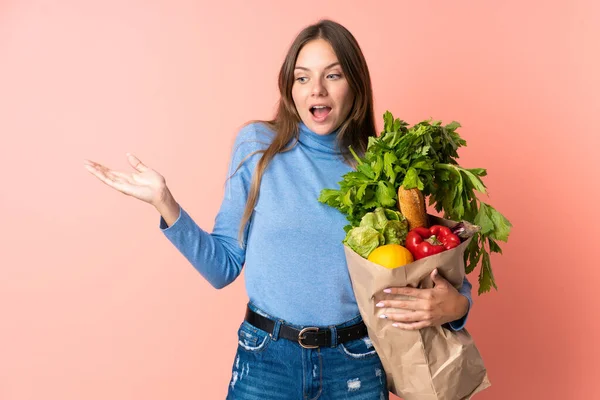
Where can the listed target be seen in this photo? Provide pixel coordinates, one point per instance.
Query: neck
(326, 143)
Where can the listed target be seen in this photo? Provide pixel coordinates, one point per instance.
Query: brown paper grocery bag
(433, 363)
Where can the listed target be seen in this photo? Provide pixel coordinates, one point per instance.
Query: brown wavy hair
(354, 131)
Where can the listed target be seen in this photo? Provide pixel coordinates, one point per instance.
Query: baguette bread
(411, 204)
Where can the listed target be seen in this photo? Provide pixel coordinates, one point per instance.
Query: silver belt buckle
(301, 337)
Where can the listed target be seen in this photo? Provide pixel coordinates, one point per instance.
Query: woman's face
(321, 92)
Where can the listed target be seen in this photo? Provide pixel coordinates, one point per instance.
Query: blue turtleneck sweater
(295, 268)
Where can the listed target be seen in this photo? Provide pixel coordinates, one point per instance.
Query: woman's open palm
(144, 183)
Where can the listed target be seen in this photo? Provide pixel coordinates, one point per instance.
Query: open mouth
(320, 112)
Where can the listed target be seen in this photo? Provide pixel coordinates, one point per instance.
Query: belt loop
(275, 333)
(333, 331)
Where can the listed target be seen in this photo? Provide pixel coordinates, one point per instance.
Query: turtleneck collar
(325, 143)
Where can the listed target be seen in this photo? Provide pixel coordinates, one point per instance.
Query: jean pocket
(358, 348)
(252, 339)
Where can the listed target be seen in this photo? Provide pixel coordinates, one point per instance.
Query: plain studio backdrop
(95, 303)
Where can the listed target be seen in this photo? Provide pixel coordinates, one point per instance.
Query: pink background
(97, 304)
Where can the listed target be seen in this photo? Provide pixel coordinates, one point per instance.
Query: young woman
(303, 336)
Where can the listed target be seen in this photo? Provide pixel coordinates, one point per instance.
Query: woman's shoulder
(255, 130)
(251, 137)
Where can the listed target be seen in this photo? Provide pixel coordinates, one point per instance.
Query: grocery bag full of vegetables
(392, 241)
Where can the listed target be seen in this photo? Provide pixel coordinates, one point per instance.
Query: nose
(318, 88)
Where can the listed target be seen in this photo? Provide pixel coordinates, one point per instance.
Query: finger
(113, 175)
(411, 326)
(434, 274)
(136, 163)
(121, 177)
(412, 292)
(403, 304)
(415, 316)
(107, 173)
(109, 178)
(385, 314)
(100, 173)
(437, 278)
(98, 167)
(93, 164)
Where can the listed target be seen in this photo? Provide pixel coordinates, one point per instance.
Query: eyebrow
(327, 67)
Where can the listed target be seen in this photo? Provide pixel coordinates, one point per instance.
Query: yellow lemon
(391, 256)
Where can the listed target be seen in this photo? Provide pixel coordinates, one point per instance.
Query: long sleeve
(465, 290)
(218, 256)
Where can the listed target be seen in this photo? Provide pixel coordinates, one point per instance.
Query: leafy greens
(422, 156)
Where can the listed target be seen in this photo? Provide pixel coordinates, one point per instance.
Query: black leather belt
(309, 337)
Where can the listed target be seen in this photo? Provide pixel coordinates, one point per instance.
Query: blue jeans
(267, 367)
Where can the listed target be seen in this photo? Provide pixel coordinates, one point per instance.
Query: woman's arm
(218, 256)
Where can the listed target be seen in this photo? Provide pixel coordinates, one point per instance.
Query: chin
(320, 129)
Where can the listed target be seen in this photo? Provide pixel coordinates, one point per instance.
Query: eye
(335, 76)
(300, 79)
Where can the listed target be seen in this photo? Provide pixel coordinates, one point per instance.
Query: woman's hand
(145, 183)
(426, 307)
